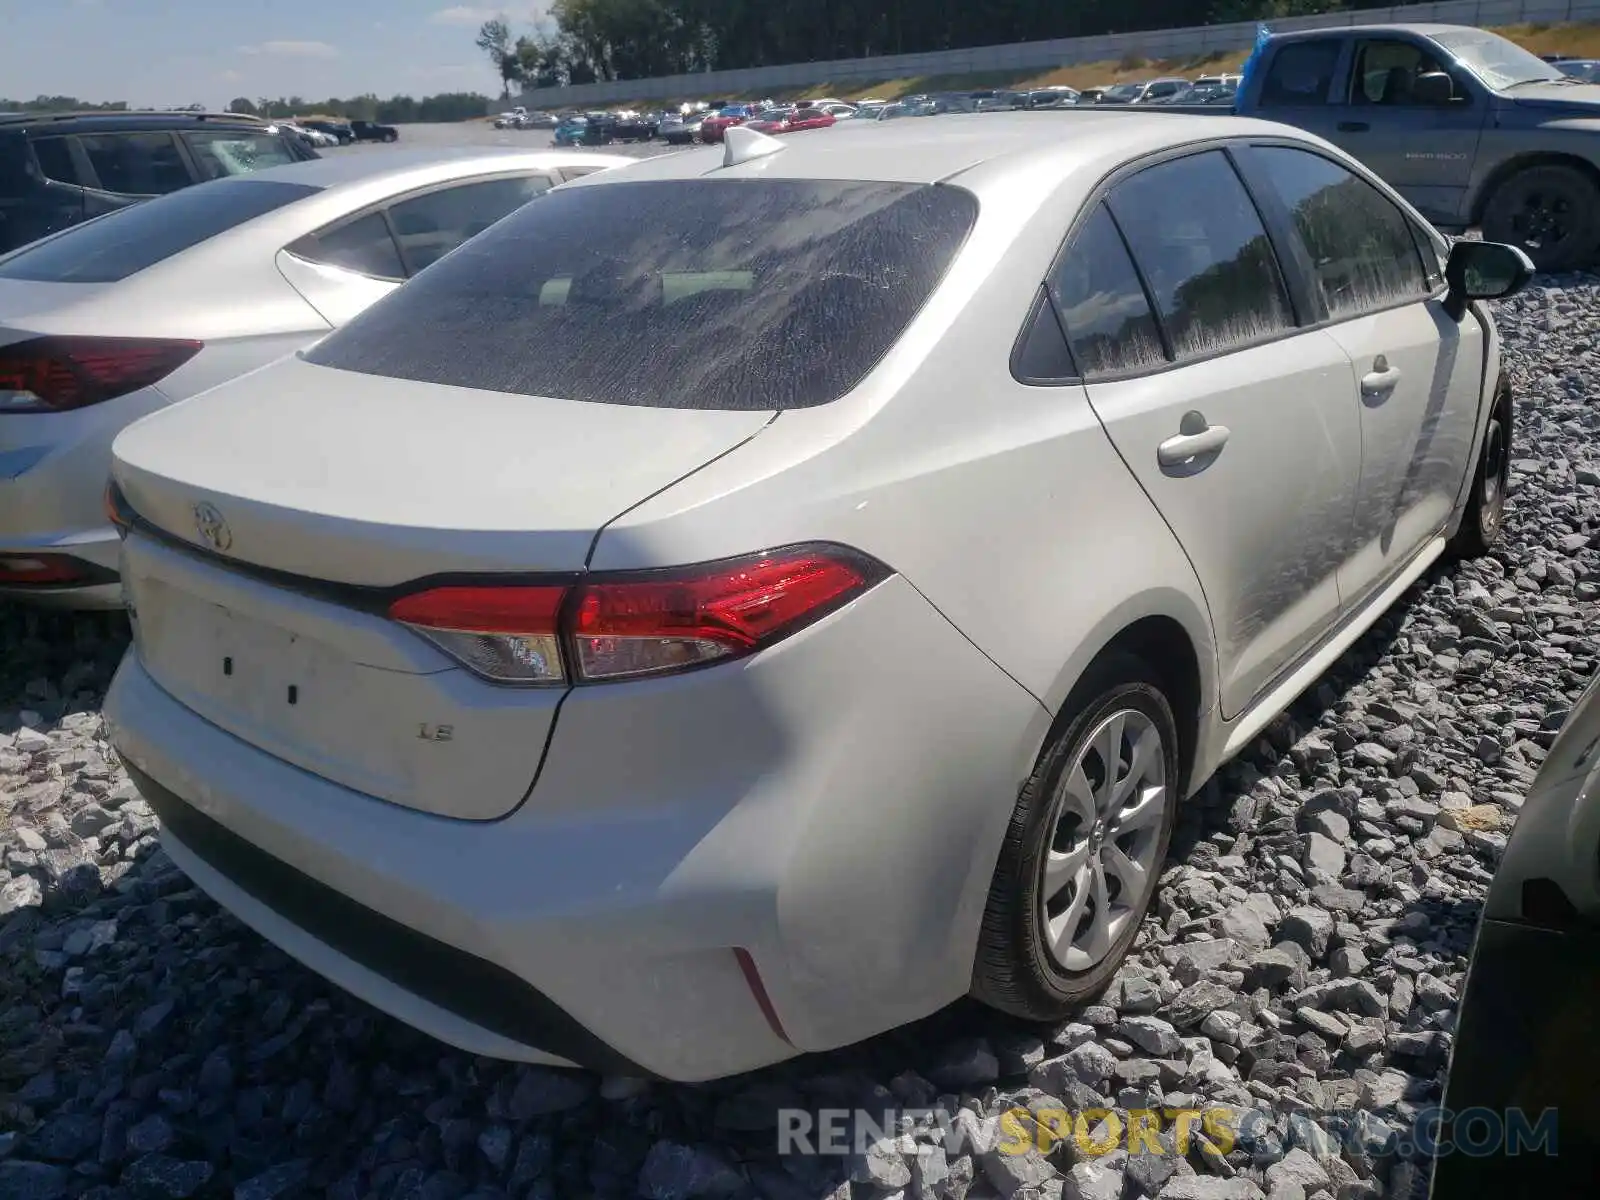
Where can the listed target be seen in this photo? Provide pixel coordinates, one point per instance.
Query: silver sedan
(671, 645)
(111, 320)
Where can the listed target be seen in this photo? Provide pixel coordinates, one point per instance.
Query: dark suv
(59, 169)
(371, 131)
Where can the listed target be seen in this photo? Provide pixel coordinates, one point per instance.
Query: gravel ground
(1304, 957)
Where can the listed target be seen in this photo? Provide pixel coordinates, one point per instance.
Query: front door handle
(1185, 447)
(1353, 126)
(1380, 381)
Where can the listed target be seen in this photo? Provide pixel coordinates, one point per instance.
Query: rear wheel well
(1522, 162)
(1165, 646)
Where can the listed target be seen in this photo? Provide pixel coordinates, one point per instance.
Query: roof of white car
(932, 149)
(417, 167)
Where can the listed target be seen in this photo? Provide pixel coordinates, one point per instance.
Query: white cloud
(473, 16)
(292, 49)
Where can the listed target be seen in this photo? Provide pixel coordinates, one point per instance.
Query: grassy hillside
(1581, 40)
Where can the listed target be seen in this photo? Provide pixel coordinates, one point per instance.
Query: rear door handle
(1353, 127)
(1176, 451)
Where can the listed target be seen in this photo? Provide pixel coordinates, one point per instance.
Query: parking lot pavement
(482, 133)
(148, 1039)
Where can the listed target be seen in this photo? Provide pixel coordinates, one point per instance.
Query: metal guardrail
(1195, 42)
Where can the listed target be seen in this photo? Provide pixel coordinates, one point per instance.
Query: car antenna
(741, 145)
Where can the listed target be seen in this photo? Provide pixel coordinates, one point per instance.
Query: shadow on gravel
(54, 663)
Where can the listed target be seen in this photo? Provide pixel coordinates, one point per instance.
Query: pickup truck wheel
(1551, 212)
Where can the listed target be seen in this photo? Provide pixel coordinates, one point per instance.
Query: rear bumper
(1524, 1064)
(843, 841)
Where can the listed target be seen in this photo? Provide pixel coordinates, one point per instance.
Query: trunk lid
(29, 307)
(357, 479)
(353, 480)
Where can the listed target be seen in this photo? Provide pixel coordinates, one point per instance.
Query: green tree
(242, 104)
(494, 39)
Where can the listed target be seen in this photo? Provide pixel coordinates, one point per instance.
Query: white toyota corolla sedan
(146, 306)
(742, 603)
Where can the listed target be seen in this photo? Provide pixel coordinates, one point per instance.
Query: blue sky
(161, 52)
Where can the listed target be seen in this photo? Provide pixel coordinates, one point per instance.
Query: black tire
(1484, 519)
(1014, 970)
(1551, 212)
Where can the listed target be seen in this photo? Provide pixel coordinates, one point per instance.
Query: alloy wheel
(1496, 468)
(1100, 865)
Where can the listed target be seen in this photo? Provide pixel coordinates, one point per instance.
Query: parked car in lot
(629, 126)
(341, 131)
(127, 314)
(1147, 91)
(396, 597)
(1584, 70)
(725, 118)
(371, 131)
(1520, 1049)
(791, 120)
(681, 130)
(1219, 95)
(1470, 127)
(1050, 97)
(58, 170)
(317, 139)
(573, 131)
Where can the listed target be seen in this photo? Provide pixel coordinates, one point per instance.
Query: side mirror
(1434, 88)
(1483, 271)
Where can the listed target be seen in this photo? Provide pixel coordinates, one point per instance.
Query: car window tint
(1360, 245)
(55, 159)
(136, 164)
(747, 294)
(1386, 72)
(1197, 238)
(363, 245)
(1300, 73)
(432, 225)
(1102, 304)
(1042, 354)
(116, 245)
(16, 177)
(222, 152)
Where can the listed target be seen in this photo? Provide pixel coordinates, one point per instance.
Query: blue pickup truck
(1471, 128)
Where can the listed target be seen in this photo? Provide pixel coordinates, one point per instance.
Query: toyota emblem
(208, 522)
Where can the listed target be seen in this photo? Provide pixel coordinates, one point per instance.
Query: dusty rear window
(710, 294)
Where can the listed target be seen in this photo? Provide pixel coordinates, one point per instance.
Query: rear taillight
(645, 623)
(42, 570)
(57, 374)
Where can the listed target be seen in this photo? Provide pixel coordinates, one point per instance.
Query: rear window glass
(124, 242)
(734, 295)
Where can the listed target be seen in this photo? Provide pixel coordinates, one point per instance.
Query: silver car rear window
(112, 247)
(696, 293)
